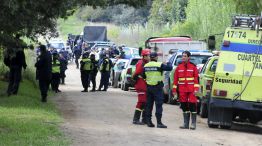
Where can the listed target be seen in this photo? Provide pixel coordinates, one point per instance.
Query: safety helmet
(145, 52)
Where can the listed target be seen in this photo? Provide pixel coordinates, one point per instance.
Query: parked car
(59, 45)
(197, 57)
(126, 74)
(119, 66)
(206, 77)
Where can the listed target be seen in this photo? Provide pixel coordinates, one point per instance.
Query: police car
(236, 90)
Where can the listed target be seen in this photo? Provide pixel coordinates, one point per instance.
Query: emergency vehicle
(166, 46)
(236, 91)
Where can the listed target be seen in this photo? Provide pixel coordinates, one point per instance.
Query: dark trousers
(104, 80)
(62, 77)
(55, 81)
(14, 79)
(188, 106)
(44, 85)
(154, 95)
(76, 61)
(84, 78)
(93, 80)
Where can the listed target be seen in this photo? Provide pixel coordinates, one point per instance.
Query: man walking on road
(140, 87)
(44, 71)
(153, 75)
(186, 82)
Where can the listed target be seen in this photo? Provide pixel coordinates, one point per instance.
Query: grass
(25, 121)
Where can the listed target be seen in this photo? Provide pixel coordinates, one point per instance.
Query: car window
(196, 59)
(204, 67)
(213, 66)
(57, 45)
(134, 61)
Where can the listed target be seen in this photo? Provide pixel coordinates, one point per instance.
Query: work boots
(137, 117)
(159, 122)
(193, 119)
(186, 116)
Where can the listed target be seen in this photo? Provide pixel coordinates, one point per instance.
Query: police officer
(85, 69)
(63, 68)
(15, 60)
(153, 76)
(105, 68)
(93, 72)
(140, 87)
(77, 53)
(44, 71)
(56, 67)
(186, 83)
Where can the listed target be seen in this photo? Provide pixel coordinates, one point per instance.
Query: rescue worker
(93, 72)
(15, 60)
(63, 68)
(56, 67)
(186, 84)
(44, 71)
(153, 71)
(140, 87)
(105, 68)
(85, 69)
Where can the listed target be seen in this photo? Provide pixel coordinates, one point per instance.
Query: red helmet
(145, 52)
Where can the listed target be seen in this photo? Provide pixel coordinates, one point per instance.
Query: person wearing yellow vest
(55, 81)
(85, 69)
(153, 71)
(105, 68)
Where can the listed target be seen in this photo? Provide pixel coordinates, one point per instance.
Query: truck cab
(236, 93)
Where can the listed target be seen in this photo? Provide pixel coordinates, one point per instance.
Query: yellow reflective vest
(56, 67)
(87, 64)
(153, 73)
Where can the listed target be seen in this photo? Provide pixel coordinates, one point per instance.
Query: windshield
(196, 59)
(57, 45)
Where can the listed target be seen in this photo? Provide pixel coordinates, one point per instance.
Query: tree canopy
(31, 18)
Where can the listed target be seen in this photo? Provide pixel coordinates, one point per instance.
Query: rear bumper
(238, 104)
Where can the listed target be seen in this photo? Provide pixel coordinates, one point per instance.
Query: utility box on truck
(236, 90)
(166, 46)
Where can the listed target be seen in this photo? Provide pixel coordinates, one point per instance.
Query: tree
(31, 19)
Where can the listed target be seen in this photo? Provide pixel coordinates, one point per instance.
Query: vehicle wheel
(203, 110)
(212, 125)
(171, 98)
(126, 87)
(225, 126)
(115, 83)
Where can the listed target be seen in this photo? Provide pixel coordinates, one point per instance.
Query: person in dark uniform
(85, 68)
(93, 72)
(153, 71)
(63, 61)
(15, 60)
(105, 68)
(44, 71)
(77, 53)
(56, 67)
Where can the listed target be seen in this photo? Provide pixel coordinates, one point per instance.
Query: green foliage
(26, 121)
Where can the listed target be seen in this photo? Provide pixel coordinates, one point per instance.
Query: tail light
(129, 71)
(220, 93)
(226, 43)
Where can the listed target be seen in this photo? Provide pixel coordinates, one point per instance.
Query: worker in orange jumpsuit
(186, 84)
(141, 87)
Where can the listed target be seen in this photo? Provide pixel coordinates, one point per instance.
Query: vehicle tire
(171, 99)
(126, 87)
(225, 126)
(212, 125)
(203, 110)
(115, 83)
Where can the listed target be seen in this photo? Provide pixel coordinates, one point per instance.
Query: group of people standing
(149, 87)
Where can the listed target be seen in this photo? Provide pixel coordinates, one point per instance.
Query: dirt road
(104, 118)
